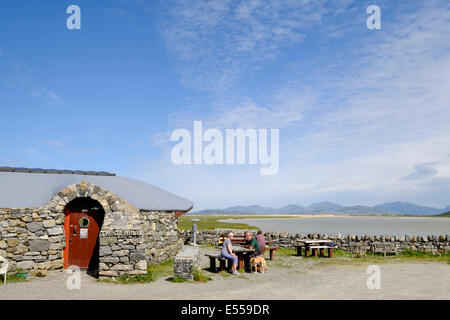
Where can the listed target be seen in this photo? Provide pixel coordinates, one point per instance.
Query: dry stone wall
(33, 239)
(436, 244)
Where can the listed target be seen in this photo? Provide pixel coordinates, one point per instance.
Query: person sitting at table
(261, 241)
(227, 252)
(252, 243)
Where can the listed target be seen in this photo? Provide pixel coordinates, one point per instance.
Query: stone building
(97, 221)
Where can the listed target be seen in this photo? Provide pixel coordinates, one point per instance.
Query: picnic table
(242, 254)
(314, 246)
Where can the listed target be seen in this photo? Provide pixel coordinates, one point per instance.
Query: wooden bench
(384, 247)
(212, 262)
(357, 248)
(316, 250)
(321, 249)
(240, 240)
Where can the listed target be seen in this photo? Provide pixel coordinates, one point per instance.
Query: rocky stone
(109, 259)
(108, 274)
(57, 264)
(136, 256)
(14, 222)
(13, 242)
(39, 273)
(105, 251)
(21, 249)
(49, 223)
(107, 240)
(55, 231)
(39, 245)
(25, 265)
(141, 265)
(122, 267)
(34, 226)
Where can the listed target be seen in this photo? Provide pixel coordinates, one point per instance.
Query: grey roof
(28, 190)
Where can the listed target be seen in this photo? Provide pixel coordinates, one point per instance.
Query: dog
(258, 261)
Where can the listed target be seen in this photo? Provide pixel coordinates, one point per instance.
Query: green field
(211, 222)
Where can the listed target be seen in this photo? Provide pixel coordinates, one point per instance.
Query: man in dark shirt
(251, 242)
(261, 241)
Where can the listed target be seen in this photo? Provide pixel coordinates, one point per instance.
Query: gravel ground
(287, 278)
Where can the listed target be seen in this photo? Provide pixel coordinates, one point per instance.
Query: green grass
(178, 280)
(286, 252)
(200, 276)
(154, 271)
(407, 253)
(343, 257)
(12, 278)
(210, 223)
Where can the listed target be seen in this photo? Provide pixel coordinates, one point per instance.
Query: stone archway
(121, 241)
(82, 224)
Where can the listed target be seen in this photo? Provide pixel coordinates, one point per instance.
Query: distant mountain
(445, 214)
(409, 208)
(362, 210)
(251, 209)
(325, 205)
(291, 209)
(389, 208)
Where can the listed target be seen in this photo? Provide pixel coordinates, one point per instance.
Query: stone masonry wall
(32, 240)
(432, 243)
(185, 262)
(161, 235)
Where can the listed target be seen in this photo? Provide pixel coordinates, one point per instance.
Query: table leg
(299, 251)
(240, 261)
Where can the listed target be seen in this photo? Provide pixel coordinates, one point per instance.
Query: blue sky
(363, 114)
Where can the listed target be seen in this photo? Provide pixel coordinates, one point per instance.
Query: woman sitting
(227, 252)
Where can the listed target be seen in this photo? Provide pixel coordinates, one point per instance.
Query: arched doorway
(83, 222)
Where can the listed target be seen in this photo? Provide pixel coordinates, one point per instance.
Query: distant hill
(291, 209)
(409, 208)
(389, 208)
(325, 205)
(445, 214)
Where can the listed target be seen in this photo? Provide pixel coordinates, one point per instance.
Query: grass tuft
(200, 276)
(154, 271)
(13, 278)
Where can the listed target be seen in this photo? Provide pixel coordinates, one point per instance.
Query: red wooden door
(83, 231)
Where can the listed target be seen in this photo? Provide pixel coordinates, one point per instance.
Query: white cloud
(376, 113)
(217, 41)
(53, 143)
(20, 75)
